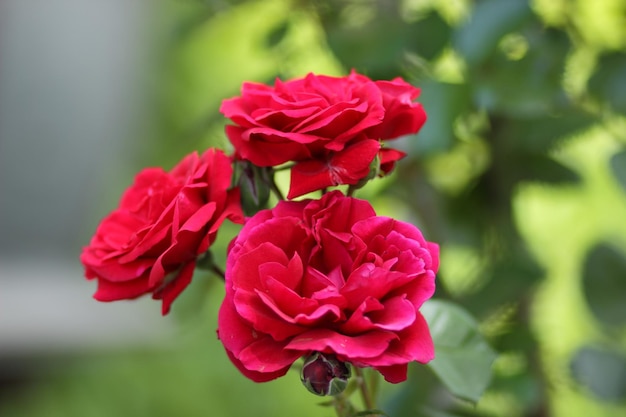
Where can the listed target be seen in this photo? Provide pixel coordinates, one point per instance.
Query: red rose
(330, 126)
(327, 276)
(150, 243)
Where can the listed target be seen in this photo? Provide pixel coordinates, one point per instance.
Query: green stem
(218, 271)
(368, 401)
(284, 167)
(274, 188)
(343, 408)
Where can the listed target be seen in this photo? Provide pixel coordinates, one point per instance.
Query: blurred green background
(519, 174)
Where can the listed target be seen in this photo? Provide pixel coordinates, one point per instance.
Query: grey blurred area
(70, 107)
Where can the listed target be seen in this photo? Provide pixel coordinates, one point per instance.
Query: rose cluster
(323, 278)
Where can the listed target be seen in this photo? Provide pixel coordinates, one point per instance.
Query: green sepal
(254, 185)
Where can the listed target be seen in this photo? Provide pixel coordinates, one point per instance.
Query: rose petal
(289, 276)
(264, 316)
(397, 314)
(359, 322)
(324, 340)
(348, 166)
(422, 289)
(111, 291)
(186, 244)
(245, 274)
(113, 270)
(388, 158)
(394, 373)
(236, 335)
(370, 281)
(267, 232)
(414, 343)
(312, 312)
(309, 176)
(234, 332)
(267, 355)
(172, 289)
(255, 375)
(353, 163)
(266, 148)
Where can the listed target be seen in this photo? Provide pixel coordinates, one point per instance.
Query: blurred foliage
(191, 376)
(519, 173)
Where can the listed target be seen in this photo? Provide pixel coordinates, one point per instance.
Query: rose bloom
(330, 126)
(327, 276)
(150, 243)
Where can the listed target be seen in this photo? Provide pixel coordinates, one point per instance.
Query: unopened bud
(253, 183)
(324, 374)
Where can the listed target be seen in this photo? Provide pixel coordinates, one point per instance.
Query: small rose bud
(324, 374)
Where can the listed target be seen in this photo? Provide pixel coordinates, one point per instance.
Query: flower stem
(343, 408)
(218, 271)
(275, 189)
(284, 167)
(368, 401)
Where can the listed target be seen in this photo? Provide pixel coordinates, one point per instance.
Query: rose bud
(324, 374)
(253, 183)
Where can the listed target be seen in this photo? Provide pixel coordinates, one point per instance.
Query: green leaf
(602, 371)
(604, 281)
(417, 393)
(463, 357)
(618, 164)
